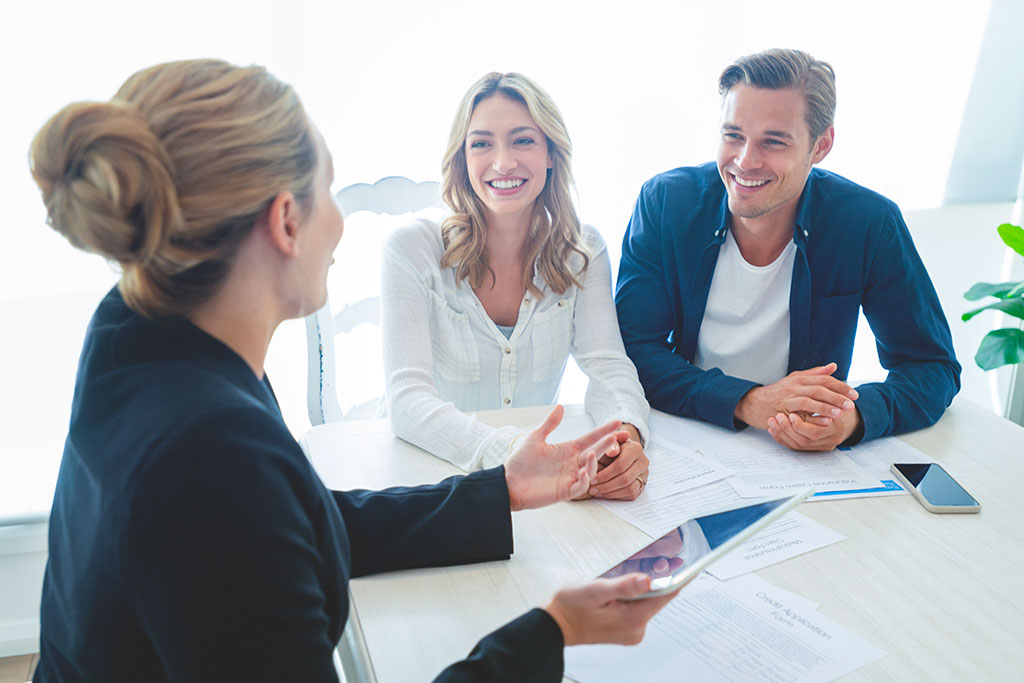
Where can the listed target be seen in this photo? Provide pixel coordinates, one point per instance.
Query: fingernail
(853, 394)
(641, 582)
(593, 492)
(848, 405)
(836, 412)
(771, 422)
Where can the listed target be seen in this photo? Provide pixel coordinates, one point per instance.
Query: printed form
(763, 467)
(792, 535)
(741, 630)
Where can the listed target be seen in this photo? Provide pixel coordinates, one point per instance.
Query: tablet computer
(681, 554)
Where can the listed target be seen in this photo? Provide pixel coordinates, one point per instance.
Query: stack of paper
(735, 626)
(761, 466)
(741, 630)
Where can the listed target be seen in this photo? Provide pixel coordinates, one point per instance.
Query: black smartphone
(935, 488)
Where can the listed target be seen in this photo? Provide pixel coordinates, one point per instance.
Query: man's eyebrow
(767, 133)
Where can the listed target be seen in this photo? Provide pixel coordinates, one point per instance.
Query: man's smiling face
(765, 152)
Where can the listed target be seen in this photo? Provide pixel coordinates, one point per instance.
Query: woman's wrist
(559, 617)
(634, 433)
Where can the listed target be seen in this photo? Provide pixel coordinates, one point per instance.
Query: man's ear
(823, 145)
(283, 223)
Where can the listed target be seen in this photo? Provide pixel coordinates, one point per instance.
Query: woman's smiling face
(506, 157)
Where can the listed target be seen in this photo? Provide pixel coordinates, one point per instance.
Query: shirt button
(508, 350)
(507, 401)
(526, 300)
(561, 304)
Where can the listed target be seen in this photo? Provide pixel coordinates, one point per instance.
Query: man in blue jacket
(741, 281)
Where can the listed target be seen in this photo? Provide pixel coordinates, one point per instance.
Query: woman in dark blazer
(190, 539)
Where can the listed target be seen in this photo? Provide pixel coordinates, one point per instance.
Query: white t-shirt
(745, 331)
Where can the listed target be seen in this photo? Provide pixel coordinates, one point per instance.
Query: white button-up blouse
(445, 357)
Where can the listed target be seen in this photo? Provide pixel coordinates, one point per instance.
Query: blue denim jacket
(853, 251)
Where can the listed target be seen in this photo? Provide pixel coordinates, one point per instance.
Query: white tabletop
(942, 594)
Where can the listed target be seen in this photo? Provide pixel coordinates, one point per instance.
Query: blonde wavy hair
(556, 233)
(169, 176)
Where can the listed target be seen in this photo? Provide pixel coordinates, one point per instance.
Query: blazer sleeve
(530, 648)
(460, 520)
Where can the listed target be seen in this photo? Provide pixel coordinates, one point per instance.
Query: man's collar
(722, 223)
(801, 226)
(804, 215)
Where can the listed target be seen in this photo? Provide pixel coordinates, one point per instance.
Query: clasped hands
(807, 410)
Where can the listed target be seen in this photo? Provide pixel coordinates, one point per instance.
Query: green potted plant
(1004, 346)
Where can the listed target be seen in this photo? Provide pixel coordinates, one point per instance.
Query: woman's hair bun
(107, 181)
(169, 177)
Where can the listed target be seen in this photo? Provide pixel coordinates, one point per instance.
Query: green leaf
(1013, 235)
(1014, 307)
(1018, 290)
(1000, 347)
(1000, 290)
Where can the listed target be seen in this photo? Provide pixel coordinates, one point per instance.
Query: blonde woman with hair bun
(482, 310)
(190, 538)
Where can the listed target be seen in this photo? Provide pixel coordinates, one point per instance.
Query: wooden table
(942, 594)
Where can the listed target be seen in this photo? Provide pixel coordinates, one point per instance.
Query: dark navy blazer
(853, 251)
(191, 540)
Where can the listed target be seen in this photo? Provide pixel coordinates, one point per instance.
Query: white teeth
(506, 184)
(749, 183)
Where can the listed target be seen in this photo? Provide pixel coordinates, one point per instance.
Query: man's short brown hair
(781, 68)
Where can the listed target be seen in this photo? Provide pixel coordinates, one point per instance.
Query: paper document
(656, 517)
(675, 469)
(862, 470)
(793, 535)
(741, 630)
(695, 434)
(774, 469)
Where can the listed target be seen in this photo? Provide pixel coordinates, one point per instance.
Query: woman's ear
(283, 223)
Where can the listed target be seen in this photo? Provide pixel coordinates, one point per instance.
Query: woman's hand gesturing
(539, 473)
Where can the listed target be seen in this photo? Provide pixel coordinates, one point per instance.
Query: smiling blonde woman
(482, 311)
